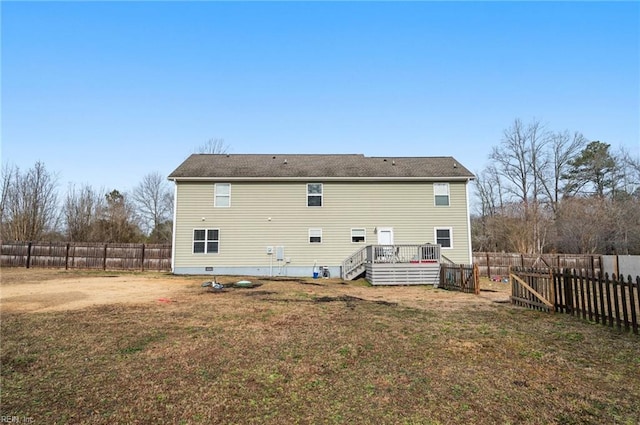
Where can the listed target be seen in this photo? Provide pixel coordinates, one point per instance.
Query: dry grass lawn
(105, 348)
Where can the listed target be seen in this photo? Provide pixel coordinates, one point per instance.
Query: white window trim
(448, 194)
(315, 229)
(435, 236)
(365, 235)
(216, 195)
(321, 195)
(206, 232)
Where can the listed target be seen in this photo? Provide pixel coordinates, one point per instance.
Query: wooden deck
(395, 264)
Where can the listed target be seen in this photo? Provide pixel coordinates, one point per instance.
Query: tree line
(544, 191)
(32, 208)
(556, 191)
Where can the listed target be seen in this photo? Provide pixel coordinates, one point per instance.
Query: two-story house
(296, 215)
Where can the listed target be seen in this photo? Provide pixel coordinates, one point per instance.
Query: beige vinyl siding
(276, 214)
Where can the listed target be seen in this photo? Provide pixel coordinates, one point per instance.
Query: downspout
(470, 253)
(175, 221)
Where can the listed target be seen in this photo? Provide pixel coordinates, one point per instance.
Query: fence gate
(532, 288)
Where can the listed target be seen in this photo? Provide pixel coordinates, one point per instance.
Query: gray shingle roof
(264, 166)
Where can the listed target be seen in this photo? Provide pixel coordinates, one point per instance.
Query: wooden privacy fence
(611, 301)
(459, 277)
(493, 264)
(86, 255)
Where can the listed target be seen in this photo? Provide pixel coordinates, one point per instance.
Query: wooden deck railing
(356, 263)
(403, 254)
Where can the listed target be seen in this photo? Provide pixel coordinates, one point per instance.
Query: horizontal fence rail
(497, 264)
(612, 301)
(86, 255)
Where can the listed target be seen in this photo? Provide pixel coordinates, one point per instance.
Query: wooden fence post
(476, 279)
(488, 267)
(29, 245)
(552, 291)
(66, 257)
(632, 300)
(104, 261)
(623, 303)
(142, 259)
(568, 292)
(608, 290)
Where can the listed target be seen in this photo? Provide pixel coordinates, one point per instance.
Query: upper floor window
(222, 196)
(314, 194)
(206, 241)
(441, 193)
(444, 237)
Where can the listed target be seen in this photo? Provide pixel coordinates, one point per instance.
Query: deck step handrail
(447, 260)
(354, 263)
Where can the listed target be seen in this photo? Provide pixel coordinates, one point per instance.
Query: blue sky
(106, 92)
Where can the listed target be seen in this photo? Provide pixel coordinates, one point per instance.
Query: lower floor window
(206, 241)
(358, 235)
(443, 237)
(315, 235)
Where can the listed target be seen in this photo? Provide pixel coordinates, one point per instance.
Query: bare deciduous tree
(29, 203)
(7, 177)
(81, 208)
(563, 147)
(154, 202)
(215, 146)
(519, 161)
(629, 172)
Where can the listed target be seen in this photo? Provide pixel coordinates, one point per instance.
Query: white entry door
(385, 236)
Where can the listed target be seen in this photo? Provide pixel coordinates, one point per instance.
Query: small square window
(314, 194)
(441, 194)
(358, 235)
(315, 235)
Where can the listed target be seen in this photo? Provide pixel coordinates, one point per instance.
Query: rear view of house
(293, 215)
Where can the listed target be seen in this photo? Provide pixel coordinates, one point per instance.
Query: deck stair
(355, 264)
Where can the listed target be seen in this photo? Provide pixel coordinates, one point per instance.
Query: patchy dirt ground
(42, 290)
(143, 348)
